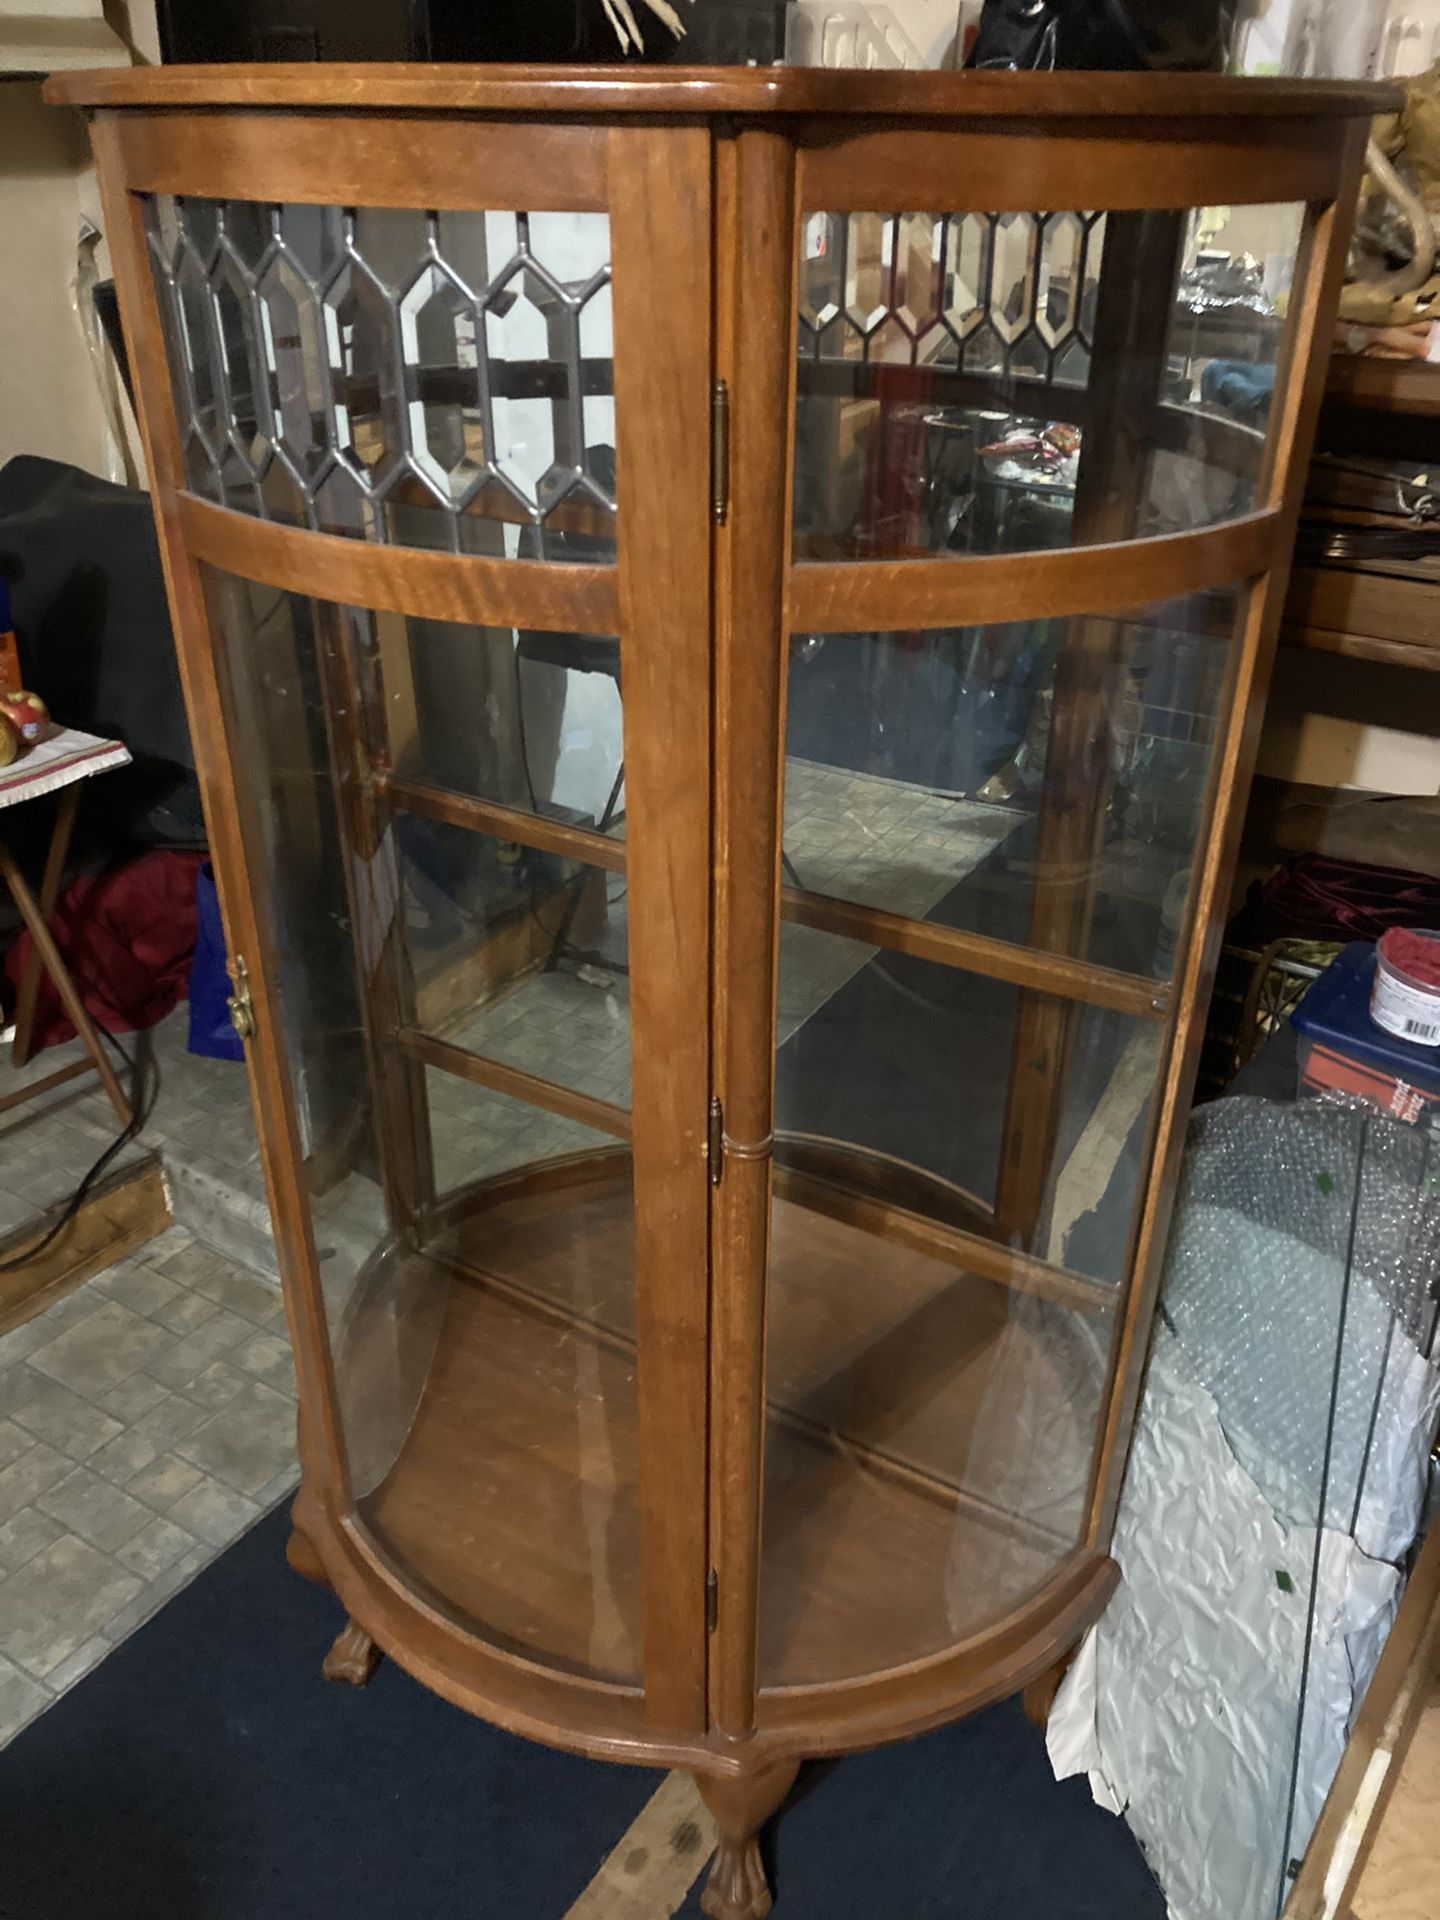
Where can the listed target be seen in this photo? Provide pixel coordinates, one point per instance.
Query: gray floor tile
(188, 1262)
(22, 1341)
(123, 1457)
(94, 1510)
(155, 1548)
(179, 1361)
(141, 1288)
(23, 1535)
(216, 1513)
(25, 1479)
(104, 1349)
(21, 1698)
(268, 1357)
(242, 1293)
(134, 1397)
(185, 1313)
(71, 1425)
(13, 1442)
(81, 1662)
(169, 1422)
(156, 1592)
(161, 1484)
(72, 1308)
(217, 1386)
(246, 1443)
(57, 1601)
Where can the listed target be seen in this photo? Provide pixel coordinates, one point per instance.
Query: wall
(49, 402)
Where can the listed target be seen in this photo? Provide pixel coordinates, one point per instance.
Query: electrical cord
(142, 1105)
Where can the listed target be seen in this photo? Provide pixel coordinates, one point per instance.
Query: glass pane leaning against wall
(989, 383)
(469, 1195)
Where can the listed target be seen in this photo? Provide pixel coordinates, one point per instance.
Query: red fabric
(127, 938)
(1316, 897)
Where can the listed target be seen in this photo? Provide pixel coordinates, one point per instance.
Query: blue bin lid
(1336, 1011)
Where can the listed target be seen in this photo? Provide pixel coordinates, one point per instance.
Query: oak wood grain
(470, 589)
(1155, 97)
(849, 596)
(374, 161)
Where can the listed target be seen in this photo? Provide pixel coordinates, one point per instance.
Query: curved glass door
(963, 1101)
(988, 858)
(474, 799)
(456, 1012)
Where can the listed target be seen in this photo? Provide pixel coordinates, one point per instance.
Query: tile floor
(146, 1420)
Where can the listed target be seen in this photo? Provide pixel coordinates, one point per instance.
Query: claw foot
(741, 1804)
(353, 1658)
(737, 1888)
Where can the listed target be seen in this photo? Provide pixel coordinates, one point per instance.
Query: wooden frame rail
(978, 953)
(468, 589)
(985, 1259)
(273, 155)
(514, 1082)
(1018, 966)
(977, 590)
(505, 823)
(979, 168)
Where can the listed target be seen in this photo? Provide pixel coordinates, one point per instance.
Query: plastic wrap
(1277, 1473)
(1293, 1222)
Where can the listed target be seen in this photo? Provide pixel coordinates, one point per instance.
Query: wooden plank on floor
(1401, 1878)
(647, 1875)
(1374, 1759)
(120, 1214)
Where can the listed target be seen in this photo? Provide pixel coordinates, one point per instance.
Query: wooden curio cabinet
(724, 616)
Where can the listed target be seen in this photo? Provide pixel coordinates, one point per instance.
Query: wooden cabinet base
(737, 1888)
(1039, 1697)
(301, 1558)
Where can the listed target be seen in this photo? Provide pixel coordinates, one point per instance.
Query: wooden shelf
(1383, 386)
(495, 1378)
(1364, 615)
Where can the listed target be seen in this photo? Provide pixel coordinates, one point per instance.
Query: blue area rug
(205, 1772)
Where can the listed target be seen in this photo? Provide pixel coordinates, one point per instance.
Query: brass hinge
(715, 1144)
(712, 1600)
(719, 451)
(239, 1006)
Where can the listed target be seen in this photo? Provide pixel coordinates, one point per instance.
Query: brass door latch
(239, 1005)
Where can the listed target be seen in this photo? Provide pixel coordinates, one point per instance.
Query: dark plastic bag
(211, 1033)
(1110, 36)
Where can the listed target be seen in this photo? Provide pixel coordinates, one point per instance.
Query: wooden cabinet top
(724, 90)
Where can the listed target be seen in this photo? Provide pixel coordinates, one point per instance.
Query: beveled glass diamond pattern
(996, 293)
(361, 349)
(1013, 276)
(293, 343)
(409, 378)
